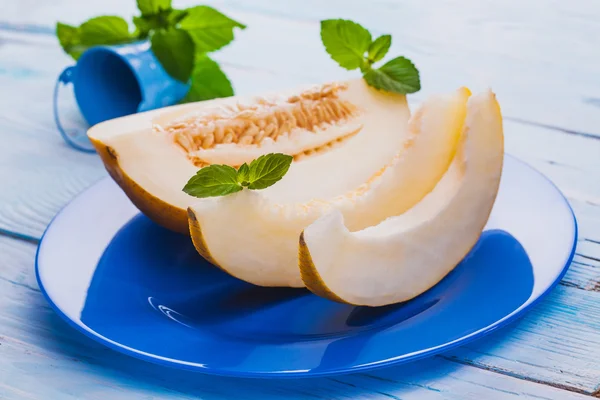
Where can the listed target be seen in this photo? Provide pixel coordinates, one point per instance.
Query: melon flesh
(253, 235)
(407, 254)
(348, 128)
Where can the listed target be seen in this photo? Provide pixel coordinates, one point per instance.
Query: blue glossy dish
(142, 290)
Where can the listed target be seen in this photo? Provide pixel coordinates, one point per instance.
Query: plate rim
(406, 358)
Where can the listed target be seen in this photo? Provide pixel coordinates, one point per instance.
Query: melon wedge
(253, 235)
(405, 255)
(151, 155)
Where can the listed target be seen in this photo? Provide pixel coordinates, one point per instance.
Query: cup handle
(76, 137)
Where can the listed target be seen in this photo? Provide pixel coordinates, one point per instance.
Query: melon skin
(195, 232)
(162, 213)
(405, 255)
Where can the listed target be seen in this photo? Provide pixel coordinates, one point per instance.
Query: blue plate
(142, 290)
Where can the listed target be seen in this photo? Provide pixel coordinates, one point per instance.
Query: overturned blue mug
(114, 81)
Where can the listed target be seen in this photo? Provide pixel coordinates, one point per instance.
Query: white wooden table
(541, 57)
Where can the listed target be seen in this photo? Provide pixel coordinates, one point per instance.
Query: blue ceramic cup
(114, 81)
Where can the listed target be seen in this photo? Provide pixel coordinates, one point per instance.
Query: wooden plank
(38, 171)
(558, 342)
(42, 358)
(539, 58)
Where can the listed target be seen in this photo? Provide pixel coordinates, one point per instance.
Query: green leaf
(176, 16)
(268, 169)
(163, 19)
(105, 30)
(379, 48)
(149, 7)
(69, 39)
(214, 180)
(243, 175)
(345, 41)
(175, 50)
(221, 180)
(143, 27)
(208, 81)
(398, 75)
(209, 28)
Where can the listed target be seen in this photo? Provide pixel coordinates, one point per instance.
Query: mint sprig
(180, 40)
(267, 170)
(151, 7)
(103, 30)
(174, 48)
(221, 180)
(211, 81)
(397, 75)
(379, 48)
(352, 47)
(210, 29)
(345, 41)
(214, 180)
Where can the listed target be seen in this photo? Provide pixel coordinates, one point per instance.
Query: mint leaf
(221, 180)
(208, 81)
(149, 7)
(398, 75)
(268, 169)
(345, 41)
(176, 16)
(209, 28)
(379, 48)
(175, 50)
(214, 180)
(162, 19)
(69, 39)
(243, 175)
(143, 27)
(104, 30)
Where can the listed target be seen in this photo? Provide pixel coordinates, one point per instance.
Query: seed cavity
(312, 110)
(301, 155)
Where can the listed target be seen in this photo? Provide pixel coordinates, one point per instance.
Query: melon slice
(151, 155)
(253, 235)
(405, 255)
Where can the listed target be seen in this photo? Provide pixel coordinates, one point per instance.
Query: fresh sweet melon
(346, 128)
(253, 235)
(405, 255)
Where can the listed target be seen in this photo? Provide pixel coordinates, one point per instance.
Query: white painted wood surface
(541, 58)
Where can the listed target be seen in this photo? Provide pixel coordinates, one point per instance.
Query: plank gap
(520, 377)
(23, 285)
(26, 28)
(588, 257)
(553, 127)
(19, 236)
